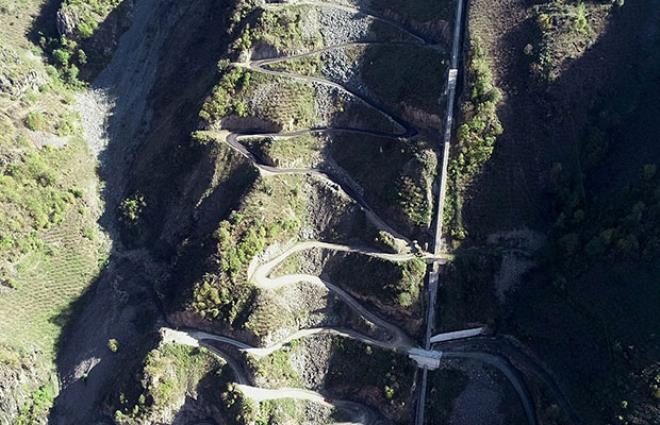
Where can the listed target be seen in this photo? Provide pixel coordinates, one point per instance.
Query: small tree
(131, 208)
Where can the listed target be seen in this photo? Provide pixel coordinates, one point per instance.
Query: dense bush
(222, 294)
(224, 100)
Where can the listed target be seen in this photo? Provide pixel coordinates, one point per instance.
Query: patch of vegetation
(475, 137)
(131, 208)
(445, 386)
(80, 22)
(597, 278)
(38, 405)
(45, 263)
(170, 373)
(284, 29)
(88, 14)
(393, 284)
(34, 193)
(566, 30)
(36, 121)
(276, 369)
(378, 377)
(224, 98)
(311, 66)
(113, 345)
(45, 259)
(413, 189)
(273, 210)
(271, 312)
(287, 104)
(290, 265)
(292, 152)
(281, 412)
(398, 178)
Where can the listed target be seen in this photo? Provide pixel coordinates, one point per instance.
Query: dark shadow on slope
(377, 378)
(157, 92)
(207, 406)
(45, 23)
(542, 125)
(100, 47)
(383, 287)
(594, 327)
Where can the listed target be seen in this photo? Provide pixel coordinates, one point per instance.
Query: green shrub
(113, 345)
(131, 208)
(224, 100)
(62, 56)
(36, 121)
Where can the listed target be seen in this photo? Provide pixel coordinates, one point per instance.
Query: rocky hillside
(262, 172)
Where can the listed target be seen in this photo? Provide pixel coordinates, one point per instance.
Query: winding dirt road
(260, 269)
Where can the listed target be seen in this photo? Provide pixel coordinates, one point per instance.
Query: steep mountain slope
(202, 114)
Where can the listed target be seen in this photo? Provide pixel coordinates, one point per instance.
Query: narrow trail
(349, 189)
(260, 63)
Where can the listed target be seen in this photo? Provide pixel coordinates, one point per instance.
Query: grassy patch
(311, 66)
(75, 49)
(48, 201)
(276, 369)
(281, 412)
(393, 284)
(171, 373)
(224, 98)
(287, 104)
(273, 210)
(88, 14)
(38, 404)
(47, 206)
(284, 29)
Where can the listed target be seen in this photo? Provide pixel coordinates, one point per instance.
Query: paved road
(462, 334)
(438, 236)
